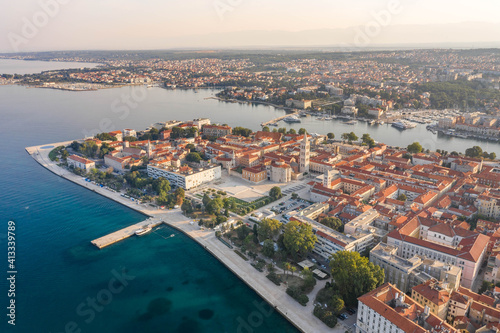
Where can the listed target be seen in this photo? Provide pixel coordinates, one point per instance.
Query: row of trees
(350, 137)
(282, 130)
(242, 131)
(477, 152)
(179, 132)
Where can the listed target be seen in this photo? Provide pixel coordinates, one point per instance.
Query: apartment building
(407, 273)
(216, 130)
(388, 309)
(185, 177)
(80, 162)
(455, 246)
(434, 295)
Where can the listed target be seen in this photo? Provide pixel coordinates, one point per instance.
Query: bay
(15, 66)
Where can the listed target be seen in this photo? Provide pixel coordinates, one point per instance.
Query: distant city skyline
(43, 25)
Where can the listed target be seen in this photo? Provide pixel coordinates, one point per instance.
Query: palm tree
(287, 267)
(293, 269)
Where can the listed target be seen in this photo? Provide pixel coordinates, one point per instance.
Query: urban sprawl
(397, 239)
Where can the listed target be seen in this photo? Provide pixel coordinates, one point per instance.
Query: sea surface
(14, 66)
(167, 284)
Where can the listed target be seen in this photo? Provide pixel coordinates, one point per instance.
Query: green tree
(193, 157)
(105, 149)
(255, 233)
(286, 267)
(265, 129)
(366, 138)
(282, 130)
(292, 131)
(294, 195)
(130, 138)
(302, 131)
(298, 238)
(177, 132)
(486, 286)
(492, 156)
(414, 148)
(402, 197)
(275, 193)
(179, 195)
(160, 185)
(331, 136)
(268, 248)
(242, 232)
(333, 222)
(352, 137)
(105, 137)
(349, 137)
(214, 206)
(242, 131)
(474, 152)
(191, 147)
(75, 146)
(206, 200)
(336, 304)
(354, 275)
(268, 229)
(187, 207)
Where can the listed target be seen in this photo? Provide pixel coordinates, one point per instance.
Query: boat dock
(275, 120)
(125, 233)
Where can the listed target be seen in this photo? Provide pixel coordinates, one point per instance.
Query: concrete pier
(124, 233)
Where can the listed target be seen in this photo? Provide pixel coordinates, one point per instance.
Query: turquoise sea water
(176, 287)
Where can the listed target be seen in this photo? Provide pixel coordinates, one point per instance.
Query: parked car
(340, 317)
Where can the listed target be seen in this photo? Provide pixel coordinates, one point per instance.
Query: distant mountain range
(467, 35)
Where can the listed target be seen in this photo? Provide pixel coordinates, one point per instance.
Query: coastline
(275, 296)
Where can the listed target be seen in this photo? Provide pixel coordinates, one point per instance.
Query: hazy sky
(160, 24)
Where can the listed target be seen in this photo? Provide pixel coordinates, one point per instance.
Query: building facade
(185, 177)
(80, 162)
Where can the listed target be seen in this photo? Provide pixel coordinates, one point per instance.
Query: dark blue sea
(148, 284)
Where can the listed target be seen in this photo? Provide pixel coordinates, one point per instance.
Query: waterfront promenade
(301, 317)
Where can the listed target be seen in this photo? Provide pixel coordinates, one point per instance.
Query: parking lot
(349, 323)
(285, 209)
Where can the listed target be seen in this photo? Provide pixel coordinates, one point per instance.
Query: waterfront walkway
(299, 316)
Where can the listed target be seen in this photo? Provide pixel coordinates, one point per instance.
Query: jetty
(275, 120)
(125, 233)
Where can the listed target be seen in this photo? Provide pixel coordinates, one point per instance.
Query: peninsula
(320, 228)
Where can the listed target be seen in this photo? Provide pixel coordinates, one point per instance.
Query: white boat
(291, 119)
(350, 122)
(371, 122)
(403, 124)
(143, 231)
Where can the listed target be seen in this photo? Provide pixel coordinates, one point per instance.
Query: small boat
(371, 122)
(143, 231)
